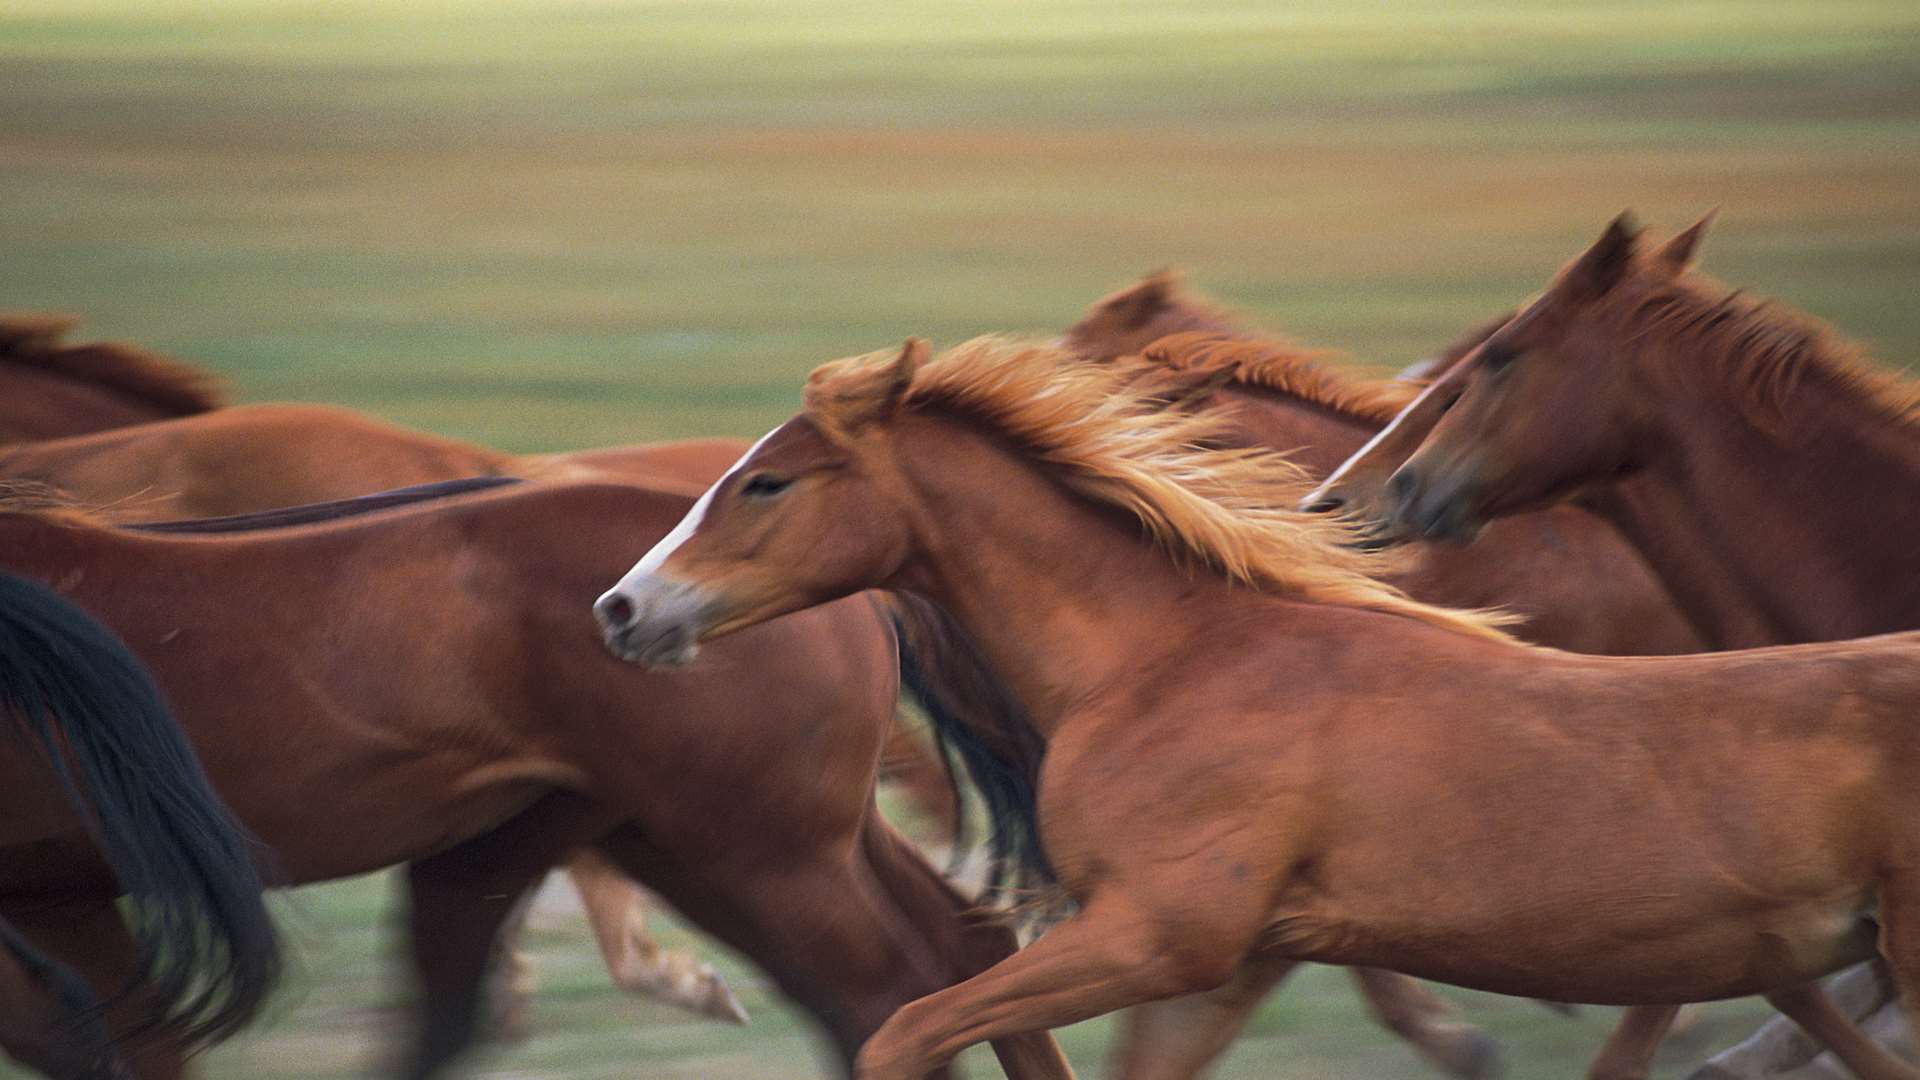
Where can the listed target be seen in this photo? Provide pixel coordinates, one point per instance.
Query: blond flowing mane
(1284, 368)
(1764, 351)
(175, 387)
(1231, 510)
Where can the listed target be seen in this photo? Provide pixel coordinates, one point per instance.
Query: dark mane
(171, 386)
(334, 510)
(983, 730)
(33, 498)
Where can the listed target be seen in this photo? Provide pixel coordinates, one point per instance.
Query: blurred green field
(546, 225)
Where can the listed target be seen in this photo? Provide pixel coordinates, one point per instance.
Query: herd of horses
(1545, 670)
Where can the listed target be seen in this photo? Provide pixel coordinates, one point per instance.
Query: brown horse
(1750, 433)
(1709, 424)
(1576, 584)
(428, 702)
(1352, 776)
(54, 389)
(95, 757)
(248, 458)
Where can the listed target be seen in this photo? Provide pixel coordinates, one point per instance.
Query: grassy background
(545, 225)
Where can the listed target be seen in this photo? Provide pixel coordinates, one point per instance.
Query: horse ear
(1677, 254)
(847, 394)
(1137, 304)
(913, 353)
(1597, 271)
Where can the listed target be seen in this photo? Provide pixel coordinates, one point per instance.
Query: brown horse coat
(396, 688)
(1350, 777)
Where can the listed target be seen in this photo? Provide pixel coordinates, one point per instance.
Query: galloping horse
(1749, 453)
(1643, 830)
(96, 761)
(396, 687)
(149, 438)
(54, 389)
(1575, 583)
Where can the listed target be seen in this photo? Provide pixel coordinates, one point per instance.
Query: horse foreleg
(1408, 1009)
(457, 903)
(1113, 954)
(92, 938)
(969, 941)
(1177, 1038)
(1780, 1045)
(1629, 1050)
(1814, 1011)
(617, 911)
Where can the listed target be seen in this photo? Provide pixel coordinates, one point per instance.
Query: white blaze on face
(671, 542)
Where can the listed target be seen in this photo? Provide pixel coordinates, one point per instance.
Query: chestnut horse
(1709, 425)
(428, 702)
(245, 458)
(53, 389)
(1352, 777)
(1575, 583)
(96, 761)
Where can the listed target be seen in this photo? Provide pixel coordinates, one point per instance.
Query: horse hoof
(722, 1005)
(1476, 1057)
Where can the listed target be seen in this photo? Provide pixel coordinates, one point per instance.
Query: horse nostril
(1325, 504)
(615, 611)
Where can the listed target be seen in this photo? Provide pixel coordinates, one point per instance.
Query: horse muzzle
(1431, 508)
(653, 621)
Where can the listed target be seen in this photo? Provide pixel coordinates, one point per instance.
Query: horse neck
(1313, 436)
(1778, 533)
(1063, 596)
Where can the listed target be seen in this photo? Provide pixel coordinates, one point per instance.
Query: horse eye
(764, 486)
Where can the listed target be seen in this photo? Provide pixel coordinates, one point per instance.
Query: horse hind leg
(617, 911)
(49, 1017)
(1629, 1050)
(458, 901)
(92, 938)
(819, 923)
(1780, 1045)
(1815, 1012)
(1179, 1037)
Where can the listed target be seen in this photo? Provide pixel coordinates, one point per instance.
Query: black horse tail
(209, 954)
(981, 729)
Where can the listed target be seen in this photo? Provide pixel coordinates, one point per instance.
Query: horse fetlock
(680, 978)
(1464, 1051)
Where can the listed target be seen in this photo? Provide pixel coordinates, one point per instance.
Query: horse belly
(1581, 956)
